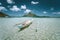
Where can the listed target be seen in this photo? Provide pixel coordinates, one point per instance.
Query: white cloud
(23, 6)
(55, 12)
(10, 1)
(27, 11)
(8, 6)
(52, 9)
(32, 2)
(2, 8)
(44, 12)
(15, 8)
(0, 3)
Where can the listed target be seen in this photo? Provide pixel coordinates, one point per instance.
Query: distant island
(30, 14)
(34, 15)
(3, 14)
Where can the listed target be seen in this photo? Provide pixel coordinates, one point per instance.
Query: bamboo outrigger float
(24, 25)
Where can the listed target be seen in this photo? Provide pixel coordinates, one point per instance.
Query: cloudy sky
(39, 7)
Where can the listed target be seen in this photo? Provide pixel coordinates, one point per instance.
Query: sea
(40, 29)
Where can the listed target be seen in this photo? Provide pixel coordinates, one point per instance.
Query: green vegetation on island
(3, 14)
(34, 15)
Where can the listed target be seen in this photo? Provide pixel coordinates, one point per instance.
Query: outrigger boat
(24, 25)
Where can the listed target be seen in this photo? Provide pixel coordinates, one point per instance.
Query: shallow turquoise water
(40, 29)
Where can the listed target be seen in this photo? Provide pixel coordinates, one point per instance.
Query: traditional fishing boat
(24, 25)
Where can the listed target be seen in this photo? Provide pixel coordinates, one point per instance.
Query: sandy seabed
(40, 29)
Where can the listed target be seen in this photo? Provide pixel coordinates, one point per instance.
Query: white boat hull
(24, 24)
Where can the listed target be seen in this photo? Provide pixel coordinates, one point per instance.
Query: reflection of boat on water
(24, 25)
